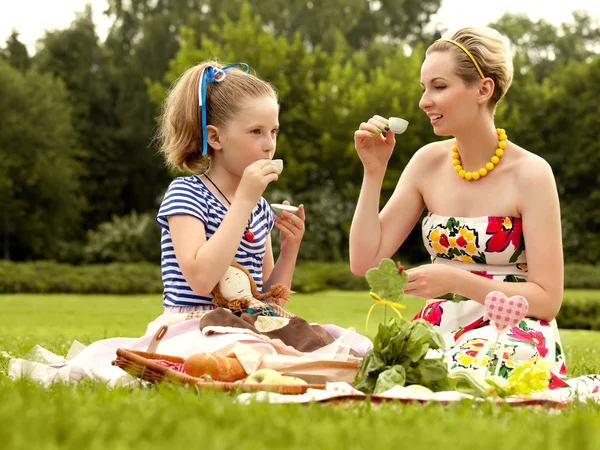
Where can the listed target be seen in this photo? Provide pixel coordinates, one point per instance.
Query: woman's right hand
(256, 178)
(374, 150)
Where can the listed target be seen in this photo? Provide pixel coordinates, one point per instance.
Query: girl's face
(235, 284)
(449, 103)
(251, 134)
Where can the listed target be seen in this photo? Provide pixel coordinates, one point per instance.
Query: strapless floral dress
(491, 247)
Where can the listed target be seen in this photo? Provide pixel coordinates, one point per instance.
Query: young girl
(486, 198)
(221, 123)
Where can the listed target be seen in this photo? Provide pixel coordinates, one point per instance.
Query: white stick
(500, 356)
(484, 350)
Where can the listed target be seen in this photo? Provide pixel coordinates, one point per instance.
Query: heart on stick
(503, 312)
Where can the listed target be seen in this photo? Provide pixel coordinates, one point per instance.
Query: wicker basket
(142, 365)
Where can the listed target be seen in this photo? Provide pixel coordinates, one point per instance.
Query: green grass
(90, 416)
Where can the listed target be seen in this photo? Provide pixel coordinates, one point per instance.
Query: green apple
(293, 380)
(419, 388)
(265, 376)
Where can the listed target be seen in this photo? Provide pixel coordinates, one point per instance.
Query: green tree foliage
(334, 65)
(16, 53)
(39, 173)
(544, 47)
(570, 129)
(75, 56)
(318, 22)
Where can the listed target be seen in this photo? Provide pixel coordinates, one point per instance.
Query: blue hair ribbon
(212, 75)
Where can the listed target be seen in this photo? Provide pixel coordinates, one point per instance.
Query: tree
(16, 52)
(544, 47)
(75, 56)
(39, 186)
(358, 21)
(570, 130)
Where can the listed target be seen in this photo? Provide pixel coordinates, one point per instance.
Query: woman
(486, 198)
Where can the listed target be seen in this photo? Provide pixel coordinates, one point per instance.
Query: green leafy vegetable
(398, 358)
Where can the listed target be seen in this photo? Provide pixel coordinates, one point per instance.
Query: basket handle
(162, 331)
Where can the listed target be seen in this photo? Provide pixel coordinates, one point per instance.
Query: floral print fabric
(492, 247)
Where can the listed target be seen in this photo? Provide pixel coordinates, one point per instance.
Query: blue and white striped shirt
(189, 195)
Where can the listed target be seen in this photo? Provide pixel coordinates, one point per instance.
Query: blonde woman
(493, 218)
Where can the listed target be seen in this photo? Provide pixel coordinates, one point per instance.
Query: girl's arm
(291, 228)
(203, 262)
(268, 265)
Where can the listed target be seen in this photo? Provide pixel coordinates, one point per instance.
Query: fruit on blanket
(293, 380)
(265, 376)
(270, 376)
(220, 368)
(419, 388)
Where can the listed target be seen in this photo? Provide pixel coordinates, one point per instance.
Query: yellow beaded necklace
(502, 137)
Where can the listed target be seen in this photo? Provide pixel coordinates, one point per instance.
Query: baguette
(219, 368)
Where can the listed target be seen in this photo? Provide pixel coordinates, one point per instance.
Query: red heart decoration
(249, 235)
(503, 312)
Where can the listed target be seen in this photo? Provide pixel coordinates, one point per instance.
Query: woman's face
(448, 102)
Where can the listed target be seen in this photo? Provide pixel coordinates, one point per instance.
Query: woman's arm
(374, 235)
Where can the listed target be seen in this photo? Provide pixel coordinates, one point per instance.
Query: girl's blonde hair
(180, 129)
(490, 49)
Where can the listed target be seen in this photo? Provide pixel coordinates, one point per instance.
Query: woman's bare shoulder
(530, 168)
(433, 152)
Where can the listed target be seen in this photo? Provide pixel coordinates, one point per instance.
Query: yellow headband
(466, 51)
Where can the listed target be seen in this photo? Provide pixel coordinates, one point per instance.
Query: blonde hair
(490, 49)
(180, 129)
(279, 293)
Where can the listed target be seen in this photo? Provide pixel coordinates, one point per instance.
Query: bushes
(318, 276)
(581, 314)
(51, 277)
(144, 278)
(134, 278)
(582, 276)
(127, 239)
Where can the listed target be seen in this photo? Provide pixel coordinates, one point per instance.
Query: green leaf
(452, 224)
(387, 281)
(366, 385)
(418, 343)
(479, 259)
(372, 364)
(394, 376)
(517, 253)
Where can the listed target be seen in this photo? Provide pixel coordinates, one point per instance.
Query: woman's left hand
(431, 281)
(291, 228)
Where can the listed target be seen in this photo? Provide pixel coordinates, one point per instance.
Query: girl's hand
(431, 281)
(256, 178)
(374, 150)
(291, 228)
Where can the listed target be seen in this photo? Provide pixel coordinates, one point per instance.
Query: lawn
(91, 416)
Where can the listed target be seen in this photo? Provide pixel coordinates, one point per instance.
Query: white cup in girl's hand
(279, 208)
(279, 164)
(397, 125)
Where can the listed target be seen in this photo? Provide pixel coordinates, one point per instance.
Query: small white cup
(397, 125)
(279, 164)
(278, 208)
